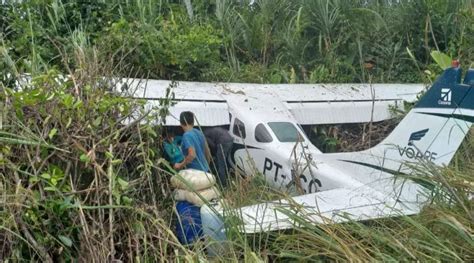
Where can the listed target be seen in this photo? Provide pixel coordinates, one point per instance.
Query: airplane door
(240, 158)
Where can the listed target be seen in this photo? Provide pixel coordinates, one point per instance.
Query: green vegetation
(76, 182)
(228, 40)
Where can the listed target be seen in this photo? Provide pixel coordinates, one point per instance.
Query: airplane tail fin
(434, 129)
(469, 78)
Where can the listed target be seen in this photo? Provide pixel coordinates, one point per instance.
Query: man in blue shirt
(193, 145)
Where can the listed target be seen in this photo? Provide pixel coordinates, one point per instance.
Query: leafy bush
(77, 181)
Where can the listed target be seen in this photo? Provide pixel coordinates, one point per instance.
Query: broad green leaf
(54, 181)
(117, 161)
(123, 184)
(443, 60)
(45, 176)
(97, 121)
(293, 76)
(127, 200)
(65, 240)
(85, 158)
(52, 132)
(50, 189)
(33, 179)
(109, 155)
(68, 100)
(77, 104)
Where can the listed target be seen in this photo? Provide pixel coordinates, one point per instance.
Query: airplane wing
(209, 107)
(309, 103)
(327, 207)
(346, 103)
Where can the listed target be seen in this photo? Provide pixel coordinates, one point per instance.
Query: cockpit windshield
(285, 131)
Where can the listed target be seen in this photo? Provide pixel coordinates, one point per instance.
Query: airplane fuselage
(273, 145)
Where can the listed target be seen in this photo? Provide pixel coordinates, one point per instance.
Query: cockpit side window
(285, 131)
(262, 134)
(239, 128)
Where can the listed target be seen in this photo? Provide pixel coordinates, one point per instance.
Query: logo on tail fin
(416, 136)
(412, 152)
(445, 98)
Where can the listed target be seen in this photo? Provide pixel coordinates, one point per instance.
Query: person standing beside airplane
(171, 146)
(196, 152)
(220, 144)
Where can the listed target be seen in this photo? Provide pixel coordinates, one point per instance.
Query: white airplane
(265, 123)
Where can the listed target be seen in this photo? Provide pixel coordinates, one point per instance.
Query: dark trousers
(223, 151)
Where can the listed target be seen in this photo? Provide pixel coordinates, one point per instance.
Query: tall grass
(76, 182)
(443, 231)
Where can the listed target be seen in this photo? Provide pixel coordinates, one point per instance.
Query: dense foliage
(230, 40)
(80, 181)
(76, 182)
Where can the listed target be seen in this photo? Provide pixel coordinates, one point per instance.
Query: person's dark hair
(168, 132)
(186, 118)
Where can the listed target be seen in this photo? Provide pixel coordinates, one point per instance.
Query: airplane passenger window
(261, 134)
(285, 131)
(239, 128)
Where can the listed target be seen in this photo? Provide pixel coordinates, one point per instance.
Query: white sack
(193, 197)
(197, 180)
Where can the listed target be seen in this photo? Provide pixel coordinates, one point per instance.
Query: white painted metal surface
(208, 113)
(308, 103)
(327, 207)
(376, 182)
